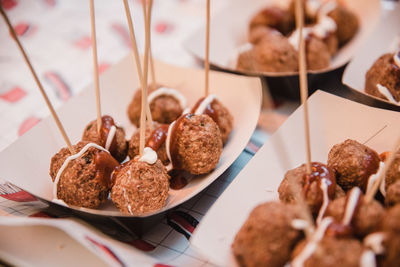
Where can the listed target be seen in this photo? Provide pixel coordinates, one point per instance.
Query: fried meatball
(353, 164)
(139, 187)
(347, 23)
(195, 144)
(273, 53)
(85, 181)
(151, 136)
(392, 250)
(118, 146)
(259, 32)
(366, 219)
(333, 252)
(218, 112)
(386, 73)
(393, 194)
(164, 108)
(273, 17)
(267, 237)
(393, 173)
(390, 222)
(311, 187)
(317, 54)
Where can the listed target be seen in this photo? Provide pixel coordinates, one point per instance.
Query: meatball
(383, 78)
(347, 23)
(194, 143)
(332, 252)
(273, 53)
(275, 18)
(212, 107)
(390, 222)
(393, 194)
(366, 219)
(353, 164)
(165, 108)
(393, 173)
(267, 236)
(156, 137)
(139, 187)
(259, 32)
(317, 54)
(85, 181)
(118, 146)
(311, 186)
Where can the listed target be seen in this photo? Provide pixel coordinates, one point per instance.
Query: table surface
(58, 42)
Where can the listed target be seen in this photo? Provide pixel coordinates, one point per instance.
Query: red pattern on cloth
(13, 95)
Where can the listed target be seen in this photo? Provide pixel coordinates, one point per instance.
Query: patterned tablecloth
(56, 35)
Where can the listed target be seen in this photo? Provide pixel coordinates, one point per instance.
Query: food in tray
(140, 185)
(166, 104)
(112, 137)
(190, 145)
(273, 39)
(351, 228)
(383, 78)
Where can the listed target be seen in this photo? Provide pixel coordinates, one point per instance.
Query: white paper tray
(378, 44)
(228, 31)
(332, 120)
(26, 162)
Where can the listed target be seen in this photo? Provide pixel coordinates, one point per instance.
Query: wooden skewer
(145, 72)
(95, 66)
(137, 58)
(388, 162)
(153, 73)
(39, 84)
(303, 79)
(206, 61)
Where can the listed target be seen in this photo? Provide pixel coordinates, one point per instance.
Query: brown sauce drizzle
(105, 165)
(106, 123)
(208, 110)
(371, 166)
(173, 148)
(320, 171)
(158, 137)
(178, 179)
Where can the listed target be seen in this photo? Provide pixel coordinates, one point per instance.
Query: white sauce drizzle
(72, 157)
(128, 205)
(149, 156)
(324, 206)
(310, 247)
(374, 177)
(384, 91)
(294, 37)
(324, 27)
(110, 137)
(351, 205)
(374, 242)
(168, 91)
(168, 141)
(367, 259)
(382, 187)
(396, 58)
(203, 105)
(299, 224)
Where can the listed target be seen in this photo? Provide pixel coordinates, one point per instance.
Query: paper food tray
(332, 121)
(26, 162)
(382, 41)
(229, 28)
